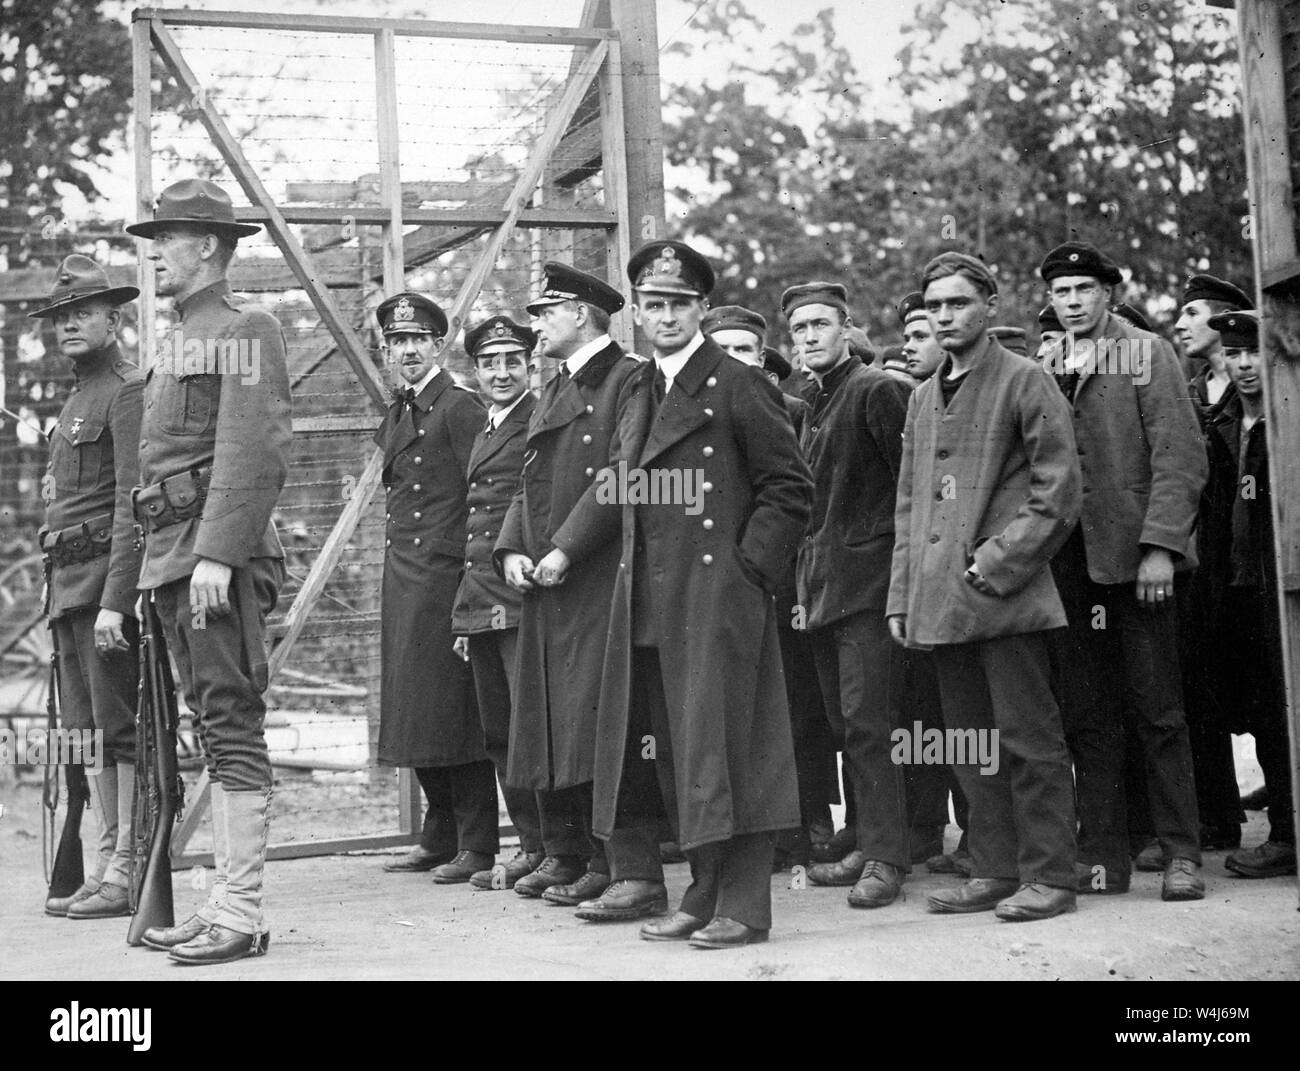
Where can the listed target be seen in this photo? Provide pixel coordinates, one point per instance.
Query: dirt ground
(341, 917)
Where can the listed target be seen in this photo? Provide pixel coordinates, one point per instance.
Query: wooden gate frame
(616, 52)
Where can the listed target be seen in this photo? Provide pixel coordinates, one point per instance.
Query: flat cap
(954, 263)
(910, 306)
(1239, 330)
(562, 282)
(1080, 258)
(893, 358)
(1209, 288)
(1048, 320)
(409, 313)
(670, 268)
(80, 279)
(498, 333)
(1012, 338)
(195, 203)
(774, 361)
(818, 293)
(734, 318)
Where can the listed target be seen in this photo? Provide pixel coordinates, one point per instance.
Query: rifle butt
(154, 905)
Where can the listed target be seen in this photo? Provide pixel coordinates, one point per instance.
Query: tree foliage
(1030, 122)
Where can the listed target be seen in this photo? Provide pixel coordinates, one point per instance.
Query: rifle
(68, 870)
(159, 791)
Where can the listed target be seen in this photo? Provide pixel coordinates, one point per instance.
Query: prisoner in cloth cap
(1239, 329)
(1210, 288)
(1080, 258)
(833, 295)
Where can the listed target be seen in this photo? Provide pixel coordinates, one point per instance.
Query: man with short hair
(214, 454)
(485, 617)
(1203, 297)
(1050, 334)
(920, 350)
(852, 442)
(93, 561)
(1242, 568)
(988, 491)
(562, 628)
(1143, 470)
(693, 722)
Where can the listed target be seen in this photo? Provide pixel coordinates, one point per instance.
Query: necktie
(491, 427)
(660, 387)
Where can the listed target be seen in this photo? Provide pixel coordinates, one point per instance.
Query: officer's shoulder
(127, 371)
(250, 312)
(461, 395)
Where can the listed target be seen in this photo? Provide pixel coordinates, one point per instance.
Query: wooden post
(638, 32)
(390, 176)
(142, 126)
(614, 170)
(1277, 273)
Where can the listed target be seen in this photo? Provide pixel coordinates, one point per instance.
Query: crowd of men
(652, 601)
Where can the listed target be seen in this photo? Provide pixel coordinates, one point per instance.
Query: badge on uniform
(76, 426)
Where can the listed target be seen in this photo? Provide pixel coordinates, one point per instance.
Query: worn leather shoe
(835, 849)
(878, 886)
(625, 900)
(553, 870)
(1182, 881)
(727, 933)
(165, 938)
(977, 894)
(522, 864)
(417, 859)
(1272, 859)
(587, 887)
(108, 902)
(677, 928)
(1151, 859)
(1036, 901)
(217, 944)
(1100, 880)
(846, 872)
(463, 867)
(57, 906)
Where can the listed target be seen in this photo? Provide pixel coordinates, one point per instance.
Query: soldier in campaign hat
(486, 614)
(562, 627)
(93, 560)
(429, 720)
(214, 454)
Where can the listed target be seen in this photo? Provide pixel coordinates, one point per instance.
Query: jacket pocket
(186, 404)
(79, 456)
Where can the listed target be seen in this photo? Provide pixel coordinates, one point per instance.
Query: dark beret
(1239, 330)
(410, 313)
(832, 294)
(562, 282)
(954, 263)
(1079, 258)
(734, 318)
(1127, 312)
(1048, 320)
(670, 268)
(893, 355)
(774, 361)
(1208, 288)
(914, 302)
(1012, 338)
(498, 333)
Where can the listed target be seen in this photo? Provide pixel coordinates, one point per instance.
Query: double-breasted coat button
(707, 486)
(473, 487)
(943, 455)
(388, 542)
(934, 539)
(469, 565)
(591, 472)
(419, 460)
(472, 508)
(420, 431)
(708, 524)
(591, 409)
(708, 412)
(388, 516)
(708, 451)
(712, 381)
(418, 514)
(707, 559)
(415, 487)
(586, 440)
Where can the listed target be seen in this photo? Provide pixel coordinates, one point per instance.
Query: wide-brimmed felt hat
(195, 203)
(80, 279)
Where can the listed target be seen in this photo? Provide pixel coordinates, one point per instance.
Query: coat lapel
(561, 405)
(487, 447)
(398, 431)
(682, 412)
